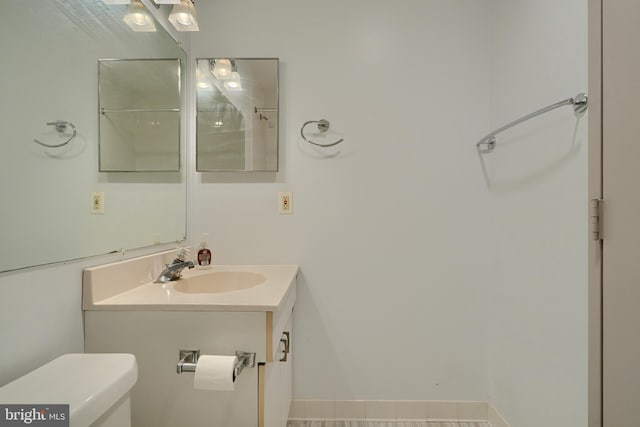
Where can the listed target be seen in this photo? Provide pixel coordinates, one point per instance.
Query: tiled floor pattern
(417, 411)
(359, 423)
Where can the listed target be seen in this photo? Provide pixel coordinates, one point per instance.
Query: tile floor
(359, 423)
(390, 410)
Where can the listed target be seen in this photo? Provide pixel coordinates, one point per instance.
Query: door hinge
(595, 219)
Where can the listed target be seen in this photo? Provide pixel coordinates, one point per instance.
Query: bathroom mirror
(57, 206)
(237, 114)
(139, 114)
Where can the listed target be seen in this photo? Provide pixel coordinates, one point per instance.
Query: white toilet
(96, 387)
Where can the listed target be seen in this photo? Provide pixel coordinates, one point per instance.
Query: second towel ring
(61, 126)
(323, 126)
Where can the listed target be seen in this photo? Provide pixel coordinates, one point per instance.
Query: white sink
(219, 281)
(130, 285)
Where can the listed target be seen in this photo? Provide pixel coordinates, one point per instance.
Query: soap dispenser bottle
(204, 257)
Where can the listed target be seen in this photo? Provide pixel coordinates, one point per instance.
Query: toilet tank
(96, 387)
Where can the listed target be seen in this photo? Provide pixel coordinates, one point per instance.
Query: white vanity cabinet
(162, 397)
(156, 334)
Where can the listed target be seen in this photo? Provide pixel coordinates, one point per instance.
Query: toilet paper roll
(214, 373)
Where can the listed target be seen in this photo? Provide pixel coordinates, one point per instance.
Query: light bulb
(222, 69)
(183, 18)
(234, 83)
(138, 19)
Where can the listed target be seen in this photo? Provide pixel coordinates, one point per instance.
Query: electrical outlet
(97, 203)
(284, 203)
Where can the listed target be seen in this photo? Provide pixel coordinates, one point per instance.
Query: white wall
(538, 206)
(394, 234)
(389, 232)
(41, 315)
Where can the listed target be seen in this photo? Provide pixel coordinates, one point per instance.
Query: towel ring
(61, 126)
(323, 126)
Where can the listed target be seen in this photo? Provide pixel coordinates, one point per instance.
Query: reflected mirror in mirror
(50, 73)
(237, 114)
(139, 115)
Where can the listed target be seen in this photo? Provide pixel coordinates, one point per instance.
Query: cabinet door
(277, 379)
(164, 398)
(286, 377)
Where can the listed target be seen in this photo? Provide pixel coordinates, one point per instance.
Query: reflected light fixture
(221, 68)
(234, 82)
(166, 1)
(110, 2)
(138, 18)
(204, 85)
(183, 16)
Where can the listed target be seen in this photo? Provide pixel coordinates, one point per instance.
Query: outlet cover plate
(285, 206)
(97, 203)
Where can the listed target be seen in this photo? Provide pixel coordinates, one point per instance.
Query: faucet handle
(182, 253)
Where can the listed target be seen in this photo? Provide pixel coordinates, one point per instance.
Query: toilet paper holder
(188, 359)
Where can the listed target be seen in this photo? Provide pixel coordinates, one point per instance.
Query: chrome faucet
(173, 271)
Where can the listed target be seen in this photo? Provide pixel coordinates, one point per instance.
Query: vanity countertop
(220, 288)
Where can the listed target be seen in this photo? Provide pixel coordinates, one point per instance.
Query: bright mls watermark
(34, 415)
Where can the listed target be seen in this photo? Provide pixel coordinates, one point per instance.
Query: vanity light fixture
(183, 16)
(138, 18)
(234, 82)
(221, 68)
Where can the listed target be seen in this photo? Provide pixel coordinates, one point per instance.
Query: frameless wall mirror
(139, 114)
(237, 114)
(49, 93)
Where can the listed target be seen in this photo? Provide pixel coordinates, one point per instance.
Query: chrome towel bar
(323, 126)
(61, 126)
(579, 103)
(141, 110)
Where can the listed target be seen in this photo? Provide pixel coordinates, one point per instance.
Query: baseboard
(391, 410)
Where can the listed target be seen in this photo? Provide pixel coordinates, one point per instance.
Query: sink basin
(128, 285)
(219, 281)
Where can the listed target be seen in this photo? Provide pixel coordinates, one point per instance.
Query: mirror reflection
(139, 114)
(237, 114)
(50, 75)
